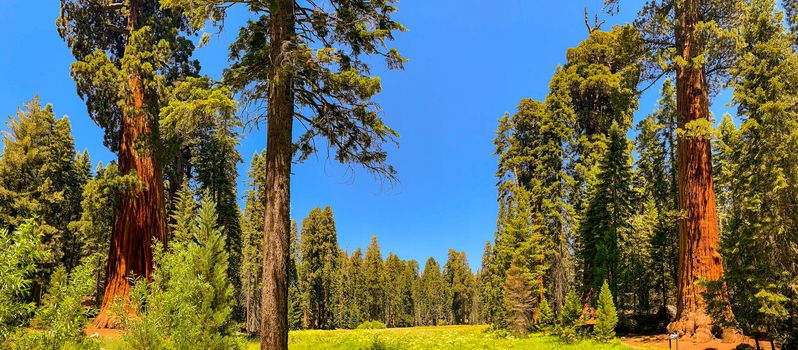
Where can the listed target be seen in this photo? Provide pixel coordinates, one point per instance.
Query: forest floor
(422, 338)
(661, 342)
(446, 338)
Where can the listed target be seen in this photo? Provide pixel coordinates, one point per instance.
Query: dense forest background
(680, 221)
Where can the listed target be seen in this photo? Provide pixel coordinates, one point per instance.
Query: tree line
(692, 227)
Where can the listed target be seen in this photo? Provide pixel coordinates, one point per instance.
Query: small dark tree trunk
(699, 240)
(277, 227)
(140, 217)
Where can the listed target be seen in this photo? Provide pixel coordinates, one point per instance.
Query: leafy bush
(189, 302)
(61, 319)
(372, 325)
(604, 329)
(19, 252)
(567, 333)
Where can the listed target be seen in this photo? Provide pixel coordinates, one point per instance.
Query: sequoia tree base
(698, 327)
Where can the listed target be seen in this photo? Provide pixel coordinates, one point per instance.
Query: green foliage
(61, 319)
(606, 315)
(319, 251)
(189, 302)
(608, 223)
(546, 316)
(758, 170)
(19, 253)
(572, 309)
(40, 177)
(330, 68)
(432, 289)
(460, 284)
(372, 325)
(252, 245)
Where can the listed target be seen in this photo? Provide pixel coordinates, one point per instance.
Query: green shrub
(604, 329)
(545, 315)
(372, 325)
(61, 319)
(189, 302)
(19, 252)
(572, 309)
(567, 333)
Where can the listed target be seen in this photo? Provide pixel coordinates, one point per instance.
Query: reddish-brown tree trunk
(140, 216)
(277, 226)
(699, 239)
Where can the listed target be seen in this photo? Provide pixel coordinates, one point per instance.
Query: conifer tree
(698, 40)
(39, 177)
(252, 244)
(319, 251)
(656, 181)
(375, 282)
(759, 169)
(306, 61)
(607, 316)
(459, 280)
(433, 293)
(130, 57)
(607, 225)
(519, 300)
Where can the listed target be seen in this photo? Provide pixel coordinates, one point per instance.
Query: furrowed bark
(140, 216)
(699, 239)
(277, 227)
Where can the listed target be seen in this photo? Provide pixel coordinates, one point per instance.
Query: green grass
(422, 338)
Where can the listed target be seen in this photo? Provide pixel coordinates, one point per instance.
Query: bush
(19, 252)
(604, 330)
(372, 325)
(189, 302)
(566, 333)
(62, 318)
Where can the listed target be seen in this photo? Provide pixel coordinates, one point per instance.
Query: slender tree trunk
(699, 240)
(277, 227)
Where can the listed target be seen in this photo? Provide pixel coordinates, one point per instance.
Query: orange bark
(140, 216)
(699, 239)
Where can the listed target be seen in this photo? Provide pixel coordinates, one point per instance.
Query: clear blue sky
(470, 62)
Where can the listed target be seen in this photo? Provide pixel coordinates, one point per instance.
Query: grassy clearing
(423, 338)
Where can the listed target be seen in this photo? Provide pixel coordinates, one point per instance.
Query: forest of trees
(673, 222)
(691, 227)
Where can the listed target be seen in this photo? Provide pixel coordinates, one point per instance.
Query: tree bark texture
(277, 226)
(140, 216)
(699, 240)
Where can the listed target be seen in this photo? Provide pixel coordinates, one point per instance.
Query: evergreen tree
(608, 223)
(39, 177)
(519, 300)
(319, 251)
(375, 282)
(656, 181)
(607, 317)
(698, 40)
(433, 293)
(131, 59)
(101, 197)
(295, 314)
(759, 169)
(308, 62)
(460, 284)
(252, 244)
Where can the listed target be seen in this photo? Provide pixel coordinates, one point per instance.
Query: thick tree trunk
(699, 240)
(140, 216)
(277, 227)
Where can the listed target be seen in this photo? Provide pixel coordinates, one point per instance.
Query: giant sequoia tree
(305, 61)
(128, 55)
(695, 39)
